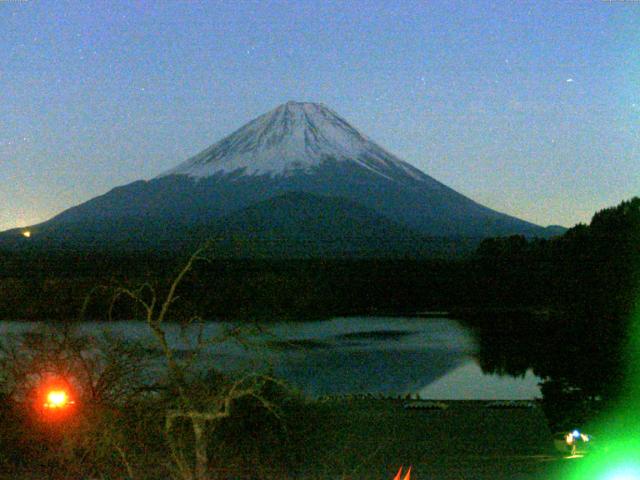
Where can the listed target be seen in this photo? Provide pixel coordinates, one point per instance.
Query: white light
(57, 399)
(624, 473)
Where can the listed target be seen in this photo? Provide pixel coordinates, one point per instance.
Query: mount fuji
(299, 172)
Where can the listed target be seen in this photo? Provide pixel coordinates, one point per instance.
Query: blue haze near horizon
(530, 108)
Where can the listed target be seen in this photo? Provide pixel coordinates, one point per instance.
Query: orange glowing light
(57, 399)
(399, 474)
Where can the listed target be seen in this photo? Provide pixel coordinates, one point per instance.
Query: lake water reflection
(378, 355)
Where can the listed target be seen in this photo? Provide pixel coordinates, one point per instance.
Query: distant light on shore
(26, 234)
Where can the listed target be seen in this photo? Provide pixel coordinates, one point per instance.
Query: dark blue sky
(532, 108)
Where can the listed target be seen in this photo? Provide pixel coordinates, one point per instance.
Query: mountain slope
(297, 224)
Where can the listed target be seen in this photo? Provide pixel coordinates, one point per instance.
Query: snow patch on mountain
(295, 138)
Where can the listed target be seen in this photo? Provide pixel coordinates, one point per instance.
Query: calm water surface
(379, 355)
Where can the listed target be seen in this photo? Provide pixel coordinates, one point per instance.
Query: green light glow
(617, 456)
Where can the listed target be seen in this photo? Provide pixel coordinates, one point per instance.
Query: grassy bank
(344, 438)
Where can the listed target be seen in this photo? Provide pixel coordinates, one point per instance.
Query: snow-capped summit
(293, 138)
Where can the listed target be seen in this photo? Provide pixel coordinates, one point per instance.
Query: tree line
(587, 282)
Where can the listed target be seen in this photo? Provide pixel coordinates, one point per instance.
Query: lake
(377, 355)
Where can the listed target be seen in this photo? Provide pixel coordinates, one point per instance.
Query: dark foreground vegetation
(55, 285)
(77, 406)
(581, 342)
(183, 424)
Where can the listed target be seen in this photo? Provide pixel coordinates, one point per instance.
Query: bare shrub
(196, 405)
(104, 376)
(181, 420)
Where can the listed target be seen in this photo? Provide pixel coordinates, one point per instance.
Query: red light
(55, 399)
